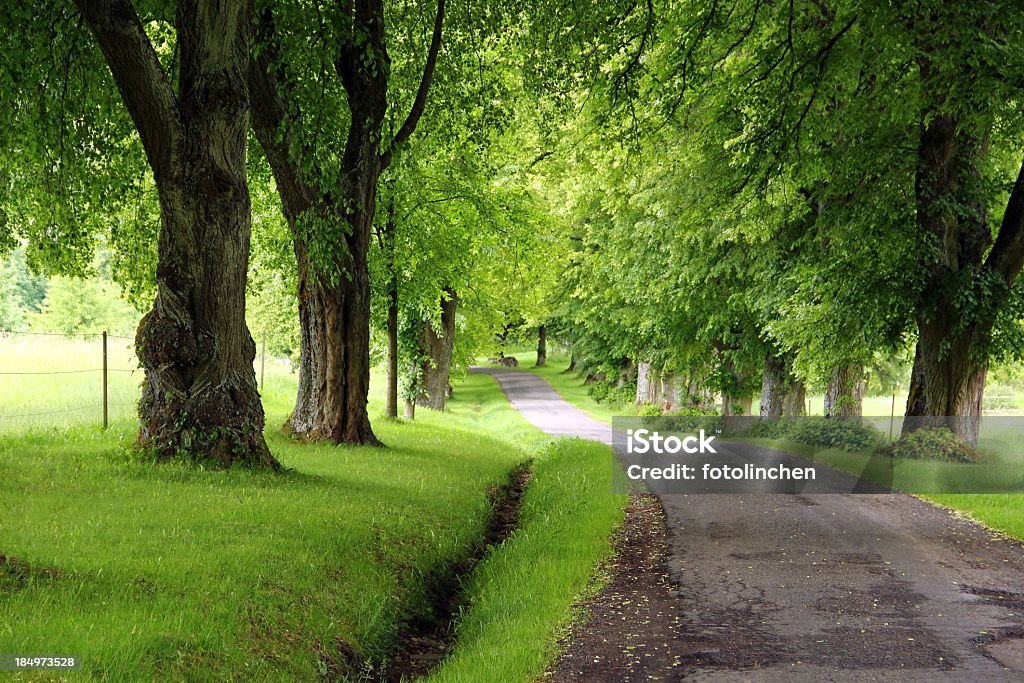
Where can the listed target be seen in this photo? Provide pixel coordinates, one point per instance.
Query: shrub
(603, 392)
(599, 391)
(844, 434)
(693, 419)
(829, 432)
(780, 428)
(934, 443)
(649, 410)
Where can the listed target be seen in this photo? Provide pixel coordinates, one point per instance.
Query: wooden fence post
(105, 413)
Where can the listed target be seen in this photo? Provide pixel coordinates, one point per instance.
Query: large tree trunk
(200, 397)
(437, 345)
(794, 403)
(334, 290)
(774, 385)
(334, 317)
(948, 378)
(844, 394)
(542, 346)
(391, 404)
(645, 382)
(672, 391)
(947, 385)
(967, 283)
(782, 394)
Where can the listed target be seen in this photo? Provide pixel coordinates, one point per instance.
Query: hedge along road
(761, 587)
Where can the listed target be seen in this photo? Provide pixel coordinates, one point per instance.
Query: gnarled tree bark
(334, 300)
(391, 401)
(200, 398)
(774, 385)
(844, 393)
(794, 403)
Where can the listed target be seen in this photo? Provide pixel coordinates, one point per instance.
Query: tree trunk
(644, 383)
(572, 362)
(774, 384)
(950, 361)
(437, 345)
(947, 384)
(334, 318)
(844, 395)
(334, 289)
(794, 403)
(410, 409)
(391, 402)
(542, 346)
(200, 398)
(672, 392)
(333, 292)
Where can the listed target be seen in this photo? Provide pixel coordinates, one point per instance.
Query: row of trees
(790, 192)
(736, 197)
(168, 130)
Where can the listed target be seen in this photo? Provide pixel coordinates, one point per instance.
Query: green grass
(170, 572)
(73, 396)
(522, 592)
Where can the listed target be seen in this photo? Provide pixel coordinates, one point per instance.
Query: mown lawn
(169, 572)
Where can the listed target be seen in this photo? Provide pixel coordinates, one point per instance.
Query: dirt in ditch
(425, 640)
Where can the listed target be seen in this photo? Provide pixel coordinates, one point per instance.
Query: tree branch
(144, 86)
(1007, 255)
(420, 103)
(267, 78)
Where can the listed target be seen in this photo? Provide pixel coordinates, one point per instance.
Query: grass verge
(170, 572)
(521, 593)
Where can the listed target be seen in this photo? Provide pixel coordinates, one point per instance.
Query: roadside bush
(599, 391)
(828, 432)
(649, 410)
(603, 392)
(693, 420)
(780, 428)
(844, 434)
(934, 443)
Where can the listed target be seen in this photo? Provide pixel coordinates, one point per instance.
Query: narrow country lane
(814, 587)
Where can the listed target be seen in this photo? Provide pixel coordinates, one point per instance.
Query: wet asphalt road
(810, 587)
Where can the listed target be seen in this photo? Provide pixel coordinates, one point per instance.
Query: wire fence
(54, 379)
(50, 379)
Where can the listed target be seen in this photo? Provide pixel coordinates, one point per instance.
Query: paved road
(813, 587)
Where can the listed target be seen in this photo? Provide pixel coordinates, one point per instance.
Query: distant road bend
(811, 587)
